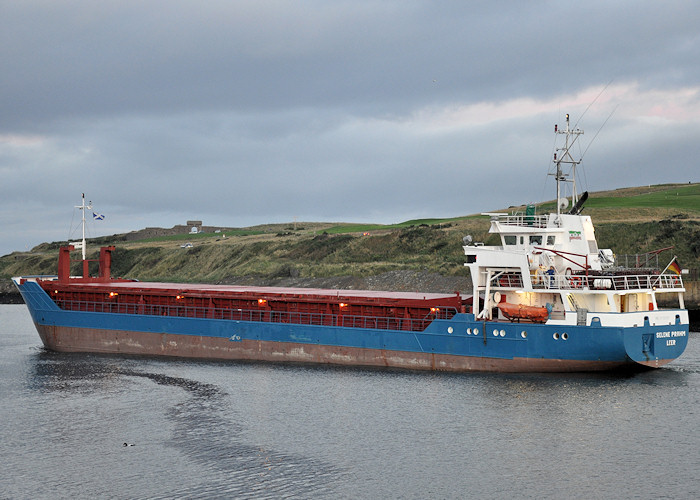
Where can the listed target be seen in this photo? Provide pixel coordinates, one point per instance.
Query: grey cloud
(250, 112)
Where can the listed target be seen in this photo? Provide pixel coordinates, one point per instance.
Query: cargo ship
(545, 299)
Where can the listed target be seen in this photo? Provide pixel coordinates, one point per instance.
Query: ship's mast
(570, 136)
(84, 207)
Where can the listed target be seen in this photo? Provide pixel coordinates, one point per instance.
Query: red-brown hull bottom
(67, 339)
(655, 363)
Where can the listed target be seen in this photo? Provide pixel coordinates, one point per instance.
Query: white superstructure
(549, 267)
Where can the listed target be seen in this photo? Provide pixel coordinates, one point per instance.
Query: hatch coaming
(345, 308)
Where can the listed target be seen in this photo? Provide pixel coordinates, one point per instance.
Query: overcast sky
(246, 112)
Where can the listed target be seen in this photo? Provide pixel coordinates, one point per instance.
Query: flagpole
(83, 209)
(669, 264)
(665, 269)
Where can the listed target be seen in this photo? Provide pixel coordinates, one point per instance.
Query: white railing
(538, 221)
(618, 282)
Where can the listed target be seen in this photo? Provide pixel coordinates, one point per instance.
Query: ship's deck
(204, 289)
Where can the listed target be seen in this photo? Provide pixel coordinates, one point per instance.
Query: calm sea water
(242, 430)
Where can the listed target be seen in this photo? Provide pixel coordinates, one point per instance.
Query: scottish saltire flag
(98, 216)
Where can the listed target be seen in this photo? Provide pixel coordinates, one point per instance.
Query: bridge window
(535, 240)
(551, 239)
(510, 239)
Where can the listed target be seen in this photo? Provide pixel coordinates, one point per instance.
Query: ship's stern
(656, 345)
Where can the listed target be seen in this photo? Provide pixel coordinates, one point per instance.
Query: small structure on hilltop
(195, 226)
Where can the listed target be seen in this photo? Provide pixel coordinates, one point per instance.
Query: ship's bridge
(561, 241)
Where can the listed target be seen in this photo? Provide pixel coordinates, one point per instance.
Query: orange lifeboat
(516, 312)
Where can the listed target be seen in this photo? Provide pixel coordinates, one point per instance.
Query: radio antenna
(593, 102)
(601, 128)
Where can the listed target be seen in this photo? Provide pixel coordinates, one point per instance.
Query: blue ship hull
(460, 343)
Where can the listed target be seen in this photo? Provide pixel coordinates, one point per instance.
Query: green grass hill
(630, 220)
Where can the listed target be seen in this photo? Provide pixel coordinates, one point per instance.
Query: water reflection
(204, 425)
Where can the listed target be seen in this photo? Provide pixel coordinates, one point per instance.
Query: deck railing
(538, 221)
(617, 282)
(258, 315)
(507, 280)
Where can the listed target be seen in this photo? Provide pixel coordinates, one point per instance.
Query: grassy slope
(628, 220)
(642, 203)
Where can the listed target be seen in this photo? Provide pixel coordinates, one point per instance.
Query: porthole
(450, 329)
(564, 336)
(523, 334)
(503, 333)
(476, 331)
(495, 333)
(556, 336)
(469, 331)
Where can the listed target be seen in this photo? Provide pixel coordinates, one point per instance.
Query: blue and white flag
(98, 216)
